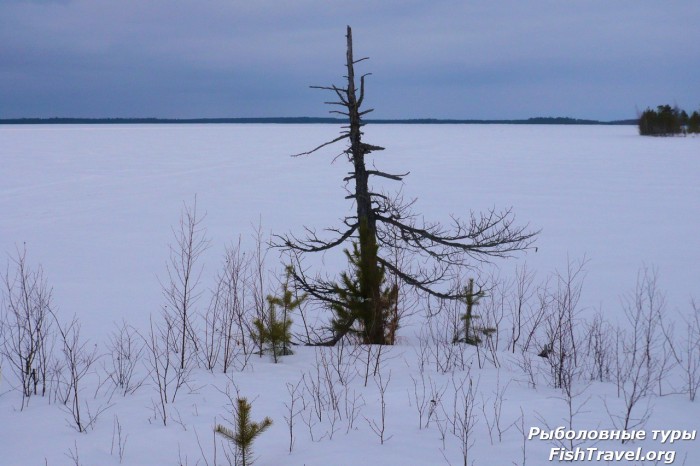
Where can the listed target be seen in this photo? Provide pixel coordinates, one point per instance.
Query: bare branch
(339, 138)
(312, 243)
(418, 283)
(367, 148)
(492, 235)
(387, 175)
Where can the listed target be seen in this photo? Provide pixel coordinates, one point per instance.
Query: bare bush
(226, 321)
(637, 366)
(212, 338)
(494, 305)
(690, 361)
(73, 454)
(409, 299)
(292, 410)
(181, 289)
(342, 359)
(325, 393)
(27, 335)
(535, 324)
(374, 359)
(464, 417)
(599, 348)
(119, 439)
(79, 358)
(327, 400)
(165, 373)
(427, 398)
(379, 426)
(575, 403)
(258, 280)
(493, 415)
(520, 426)
(534, 369)
(522, 315)
(561, 349)
(125, 351)
(437, 345)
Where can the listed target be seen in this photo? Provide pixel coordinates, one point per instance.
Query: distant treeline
(302, 120)
(668, 121)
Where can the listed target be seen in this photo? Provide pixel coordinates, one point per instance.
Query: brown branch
(339, 138)
(367, 148)
(362, 91)
(329, 88)
(418, 283)
(337, 90)
(308, 245)
(498, 243)
(387, 175)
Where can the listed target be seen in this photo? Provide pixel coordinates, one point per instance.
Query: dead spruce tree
(385, 223)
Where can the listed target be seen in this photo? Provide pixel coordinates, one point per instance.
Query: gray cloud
(451, 59)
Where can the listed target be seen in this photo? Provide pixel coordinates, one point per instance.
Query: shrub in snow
(26, 324)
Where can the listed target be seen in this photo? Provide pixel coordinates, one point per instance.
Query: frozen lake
(95, 204)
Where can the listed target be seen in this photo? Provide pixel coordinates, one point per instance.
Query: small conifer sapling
(273, 331)
(470, 335)
(357, 315)
(245, 432)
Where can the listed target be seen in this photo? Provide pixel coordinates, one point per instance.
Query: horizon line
(306, 119)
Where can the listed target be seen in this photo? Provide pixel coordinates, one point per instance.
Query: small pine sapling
(245, 432)
(471, 332)
(358, 316)
(273, 331)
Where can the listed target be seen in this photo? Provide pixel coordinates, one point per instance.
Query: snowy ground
(95, 206)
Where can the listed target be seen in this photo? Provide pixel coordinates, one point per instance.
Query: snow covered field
(95, 206)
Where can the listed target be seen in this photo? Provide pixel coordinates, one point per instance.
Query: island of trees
(668, 121)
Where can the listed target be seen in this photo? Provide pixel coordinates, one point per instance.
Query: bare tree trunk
(370, 286)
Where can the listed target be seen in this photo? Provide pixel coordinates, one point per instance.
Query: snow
(95, 205)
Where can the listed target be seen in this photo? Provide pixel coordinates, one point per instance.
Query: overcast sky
(595, 59)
